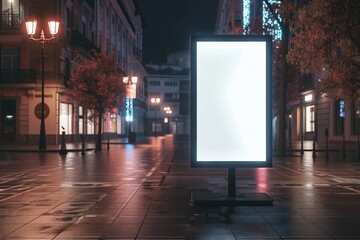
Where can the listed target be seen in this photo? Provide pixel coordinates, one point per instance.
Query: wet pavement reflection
(144, 190)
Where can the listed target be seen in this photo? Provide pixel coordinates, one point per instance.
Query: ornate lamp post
(155, 102)
(31, 30)
(130, 82)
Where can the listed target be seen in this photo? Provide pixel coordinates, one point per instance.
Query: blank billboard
(231, 101)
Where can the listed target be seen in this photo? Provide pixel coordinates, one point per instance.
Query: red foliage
(98, 84)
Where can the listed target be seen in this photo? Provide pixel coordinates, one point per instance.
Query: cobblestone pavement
(144, 191)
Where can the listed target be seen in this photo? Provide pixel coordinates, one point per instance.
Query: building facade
(170, 83)
(108, 26)
(312, 115)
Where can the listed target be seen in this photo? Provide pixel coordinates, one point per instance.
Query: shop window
(109, 123)
(8, 6)
(156, 127)
(66, 117)
(310, 118)
(81, 120)
(339, 117)
(90, 126)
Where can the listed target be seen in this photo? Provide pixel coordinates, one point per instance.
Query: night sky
(169, 23)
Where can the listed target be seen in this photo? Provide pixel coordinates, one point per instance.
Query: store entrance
(8, 121)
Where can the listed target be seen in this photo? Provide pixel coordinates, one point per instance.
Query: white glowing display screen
(231, 101)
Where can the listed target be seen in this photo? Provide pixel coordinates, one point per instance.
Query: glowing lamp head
(31, 27)
(155, 100)
(125, 79)
(53, 27)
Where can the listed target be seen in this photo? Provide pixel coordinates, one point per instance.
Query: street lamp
(31, 30)
(130, 82)
(168, 111)
(155, 101)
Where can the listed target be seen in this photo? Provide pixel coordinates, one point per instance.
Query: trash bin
(132, 137)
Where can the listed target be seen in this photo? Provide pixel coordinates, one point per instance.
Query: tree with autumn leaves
(327, 39)
(98, 86)
(321, 36)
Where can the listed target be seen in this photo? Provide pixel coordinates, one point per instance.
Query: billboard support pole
(232, 182)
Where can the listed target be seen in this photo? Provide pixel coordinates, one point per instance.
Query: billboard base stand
(232, 199)
(232, 182)
(201, 198)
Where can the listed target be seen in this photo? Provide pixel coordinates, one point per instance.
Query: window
(154, 95)
(65, 123)
(156, 127)
(310, 118)
(339, 116)
(171, 96)
(10, 15)
(81, 120)
(154, 108)
(90, 122)
(154, 83)
(10, 64)
(68, 18)
(171, 84)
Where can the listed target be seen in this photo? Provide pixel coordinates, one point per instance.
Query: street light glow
(155, 100)
(31, 27)
(53, 27)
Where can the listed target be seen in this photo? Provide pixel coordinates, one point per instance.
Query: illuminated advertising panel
(231, 101)
(129, 110)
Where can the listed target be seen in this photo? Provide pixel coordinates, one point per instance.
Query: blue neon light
(269, 22)
(246, 16)
(342, 109)
(129, 110)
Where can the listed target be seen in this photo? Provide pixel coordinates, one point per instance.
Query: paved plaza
(144, 191)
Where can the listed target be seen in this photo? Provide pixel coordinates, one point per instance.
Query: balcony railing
(17, 76)
(10, 21)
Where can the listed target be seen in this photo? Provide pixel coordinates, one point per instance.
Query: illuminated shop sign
(342, 109)
(231, 101)
(308, 98)
(129, 110)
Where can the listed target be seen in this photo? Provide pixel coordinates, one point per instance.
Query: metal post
(290, 144)
(63, 150)
(155, 124)
(358, 147)
(302, 145)
(343, 148)
(108, 143)
(82, 145)
(327, 143)
(129, 132)
(314, 150)
(42, 137)
(231, 182)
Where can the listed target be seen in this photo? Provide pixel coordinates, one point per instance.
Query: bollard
(302, 145)
(343, 148)
(358, 148)
(314, 150)
(82, 145)
(63, 150)
(108, 143)
(327, 143)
